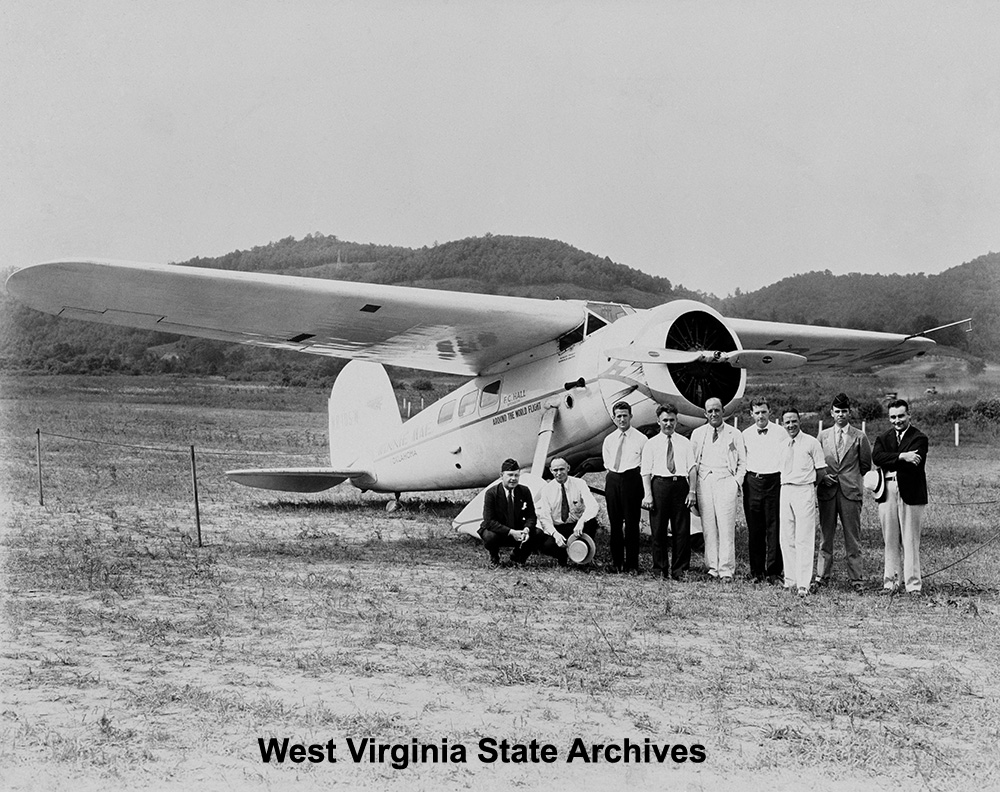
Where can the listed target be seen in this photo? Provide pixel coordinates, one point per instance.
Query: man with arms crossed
(622, 452)
(721, 459)
(765, 442)
(902, 454)
(568, 509)
(848, 457)
(669, 483)
(802, 466)
(508, 516)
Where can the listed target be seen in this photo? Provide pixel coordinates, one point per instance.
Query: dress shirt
(654, 456)
(582, 503)
(631, 451)
(715, 454)
(764, 451)
(803, 456)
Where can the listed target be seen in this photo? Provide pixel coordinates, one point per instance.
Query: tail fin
(363, 413)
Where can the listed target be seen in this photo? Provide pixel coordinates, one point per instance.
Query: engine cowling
(692, 339)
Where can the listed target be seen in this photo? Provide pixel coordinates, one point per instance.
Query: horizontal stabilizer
(296, 479)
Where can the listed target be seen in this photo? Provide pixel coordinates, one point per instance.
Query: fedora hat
(874, 482)
(581, 550)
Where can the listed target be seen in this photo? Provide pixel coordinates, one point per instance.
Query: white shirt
(654, 456)
(803, 456)
(631, 452)
(765, 451)
(582, 503)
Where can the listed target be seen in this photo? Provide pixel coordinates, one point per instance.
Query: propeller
(754, 359)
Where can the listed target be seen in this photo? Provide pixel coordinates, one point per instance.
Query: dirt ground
(133, 658)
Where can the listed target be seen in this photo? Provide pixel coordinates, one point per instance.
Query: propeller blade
(641, 355)
(763, 359)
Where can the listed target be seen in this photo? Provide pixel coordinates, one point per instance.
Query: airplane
(543, 374)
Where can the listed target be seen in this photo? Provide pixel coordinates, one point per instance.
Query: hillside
(890, 303)
(525, 266)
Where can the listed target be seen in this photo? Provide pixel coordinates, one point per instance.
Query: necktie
(618, 455)
(564, 514)
(840, 444)
(670, 455)
(715, 434)
(899, 438)
(761, 431)
(789, 457)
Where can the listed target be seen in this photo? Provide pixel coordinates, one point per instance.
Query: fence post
(194, 481)
(863, 423)
(820, 430)
(38, 460)
(956, 434)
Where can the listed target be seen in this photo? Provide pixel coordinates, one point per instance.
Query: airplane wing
(829, 347)
(432, 330)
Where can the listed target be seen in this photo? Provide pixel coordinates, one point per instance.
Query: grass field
(132, 658)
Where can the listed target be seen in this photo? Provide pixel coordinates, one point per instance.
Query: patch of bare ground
(132, 658)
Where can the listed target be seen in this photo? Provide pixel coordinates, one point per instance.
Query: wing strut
(544, 438)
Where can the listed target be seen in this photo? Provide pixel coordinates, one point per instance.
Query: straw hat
(581, 550)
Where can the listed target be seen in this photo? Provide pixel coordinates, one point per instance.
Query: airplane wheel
(391, 506)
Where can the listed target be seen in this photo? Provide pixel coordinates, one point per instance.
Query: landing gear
(393, 505)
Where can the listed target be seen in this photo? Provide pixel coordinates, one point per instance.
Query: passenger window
(490, 397)
(468, 404)
(447, 412)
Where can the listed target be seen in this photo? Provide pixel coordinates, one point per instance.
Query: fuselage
(460, 440)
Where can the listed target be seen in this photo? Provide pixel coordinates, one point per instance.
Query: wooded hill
(30, 341)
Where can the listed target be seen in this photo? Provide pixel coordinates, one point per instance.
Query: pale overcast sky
(721, 144)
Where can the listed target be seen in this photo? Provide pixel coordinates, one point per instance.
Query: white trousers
(799, 517)
(717, 503)
(901, 533)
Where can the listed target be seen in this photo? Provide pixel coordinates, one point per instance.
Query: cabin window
(572, 337)
(490, 397)
(447, 411)
(468, 404)
(594, 323)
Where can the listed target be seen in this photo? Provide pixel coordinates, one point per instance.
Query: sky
(722, 145)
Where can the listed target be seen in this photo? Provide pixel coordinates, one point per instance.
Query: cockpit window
(490, 397)
(609, 312)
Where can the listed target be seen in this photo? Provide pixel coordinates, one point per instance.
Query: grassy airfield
(132, 658)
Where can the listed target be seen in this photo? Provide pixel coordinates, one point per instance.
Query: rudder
(362, 413)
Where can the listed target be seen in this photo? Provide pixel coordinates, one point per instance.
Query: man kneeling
(508, 516)
(568, 509)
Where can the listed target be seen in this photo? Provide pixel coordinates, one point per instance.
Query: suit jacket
(911, 479)
(497, 515)
(736, 448)
(856, 461)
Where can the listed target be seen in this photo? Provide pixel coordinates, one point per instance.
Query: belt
(624, 472)
(670, 478)
(763, 475)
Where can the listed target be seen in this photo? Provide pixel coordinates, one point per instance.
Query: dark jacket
(911, 479)
(497, 517)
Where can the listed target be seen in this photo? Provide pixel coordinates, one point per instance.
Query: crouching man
(568, 509)
(508, 516)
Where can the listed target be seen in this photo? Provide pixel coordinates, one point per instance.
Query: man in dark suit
(902, 454)
(508, 516)
(848, 457)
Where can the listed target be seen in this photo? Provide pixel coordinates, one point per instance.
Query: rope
(165, 450)
(959, 561)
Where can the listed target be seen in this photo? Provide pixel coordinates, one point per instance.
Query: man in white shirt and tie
(566, 510)
(622, 453)
(669, 483)
(848, 457)
(721, 459)
(765, 442)
(802, 466)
